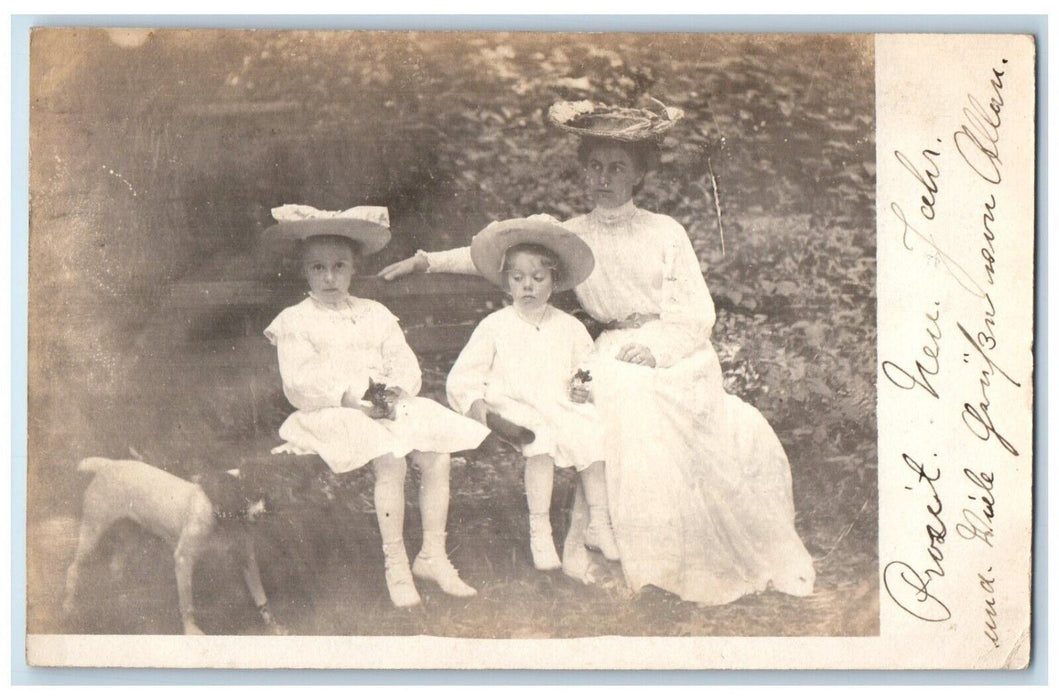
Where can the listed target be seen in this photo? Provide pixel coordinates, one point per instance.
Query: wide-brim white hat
(628, 124)
(367, 226)
(491, 244)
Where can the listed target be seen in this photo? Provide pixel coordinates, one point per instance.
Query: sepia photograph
(466, 335)
(723, 476)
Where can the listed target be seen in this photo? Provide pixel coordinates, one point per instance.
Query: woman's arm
(687, 313)
(457, 260)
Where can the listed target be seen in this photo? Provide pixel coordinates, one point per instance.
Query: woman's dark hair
(548, 258)
(646, 155)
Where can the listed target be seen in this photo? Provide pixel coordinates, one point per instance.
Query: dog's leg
(186, 554)
(252, 576)
(92, 528)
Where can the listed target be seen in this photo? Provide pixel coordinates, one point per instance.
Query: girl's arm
(401, 368)
(310, 380)
(469, 377)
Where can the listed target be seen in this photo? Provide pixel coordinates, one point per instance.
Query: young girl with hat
(520, 364)
(349, 372)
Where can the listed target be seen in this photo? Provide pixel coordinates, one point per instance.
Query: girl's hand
(579, 393)
(375, 412)
(478, 410)
(401, 268)
(636, 354)
(350, 400)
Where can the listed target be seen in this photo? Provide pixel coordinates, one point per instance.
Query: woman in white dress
(699, 485)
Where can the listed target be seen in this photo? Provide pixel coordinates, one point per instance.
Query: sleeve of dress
(469, 376)
(310, 381)
(457, 260)
(687, 312)
(401, 367)
(582, 346)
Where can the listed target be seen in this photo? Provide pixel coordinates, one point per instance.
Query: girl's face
(329, 267)
(610, 176)
(529, 281)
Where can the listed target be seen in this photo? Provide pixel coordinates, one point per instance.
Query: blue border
(21, 674)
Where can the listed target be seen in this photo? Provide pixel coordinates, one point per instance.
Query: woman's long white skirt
(699, 484)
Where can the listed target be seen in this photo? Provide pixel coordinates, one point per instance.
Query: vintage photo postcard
(530, 350)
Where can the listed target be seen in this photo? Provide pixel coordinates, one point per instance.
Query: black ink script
(955, 270)
(902, 378)
(979, 135)
(907, 587)
(926, 176)
(977, 417)
(986, 583)
(977, 521)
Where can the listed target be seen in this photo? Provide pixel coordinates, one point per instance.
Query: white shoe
(599, 537)
(399, 583)
(441, 571)
(545, 557)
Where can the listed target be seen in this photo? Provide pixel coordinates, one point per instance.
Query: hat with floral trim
(597, 120)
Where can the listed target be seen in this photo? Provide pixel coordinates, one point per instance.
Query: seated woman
(699, 485)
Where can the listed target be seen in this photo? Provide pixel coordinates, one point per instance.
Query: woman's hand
(636, 354)
(401, 268)
(636, 320)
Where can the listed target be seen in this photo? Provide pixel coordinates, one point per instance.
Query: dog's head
(231, 497)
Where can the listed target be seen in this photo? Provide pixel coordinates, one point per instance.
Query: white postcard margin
(955, 222)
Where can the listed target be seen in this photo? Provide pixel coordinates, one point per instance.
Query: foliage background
(156, 158)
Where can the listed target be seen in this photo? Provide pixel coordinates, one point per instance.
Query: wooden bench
(223, 321)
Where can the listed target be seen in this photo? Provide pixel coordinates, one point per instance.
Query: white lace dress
(699, 484)
(328, 349)
(523, 371)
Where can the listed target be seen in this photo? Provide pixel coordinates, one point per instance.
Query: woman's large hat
(627, 124)
(491, 244)
(368, 226)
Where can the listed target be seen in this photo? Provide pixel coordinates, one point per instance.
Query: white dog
(178, 511)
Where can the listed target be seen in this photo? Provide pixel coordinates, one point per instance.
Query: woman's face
(610, 176)
(529, 281)
(329, 267)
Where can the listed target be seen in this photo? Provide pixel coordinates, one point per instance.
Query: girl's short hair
(355, 247)
(547, 257)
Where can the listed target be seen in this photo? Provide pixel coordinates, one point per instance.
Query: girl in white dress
(332, 347)
(699, 486)
(520, 363)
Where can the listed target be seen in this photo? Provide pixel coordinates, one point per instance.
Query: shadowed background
(157, 156)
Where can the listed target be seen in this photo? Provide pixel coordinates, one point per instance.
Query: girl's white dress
(328, 349)
(523, 371)
(699, 484)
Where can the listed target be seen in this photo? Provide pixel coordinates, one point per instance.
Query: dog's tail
(93, 464)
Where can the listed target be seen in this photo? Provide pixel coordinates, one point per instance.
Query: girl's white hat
(490, 245)
(368, 226)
